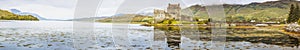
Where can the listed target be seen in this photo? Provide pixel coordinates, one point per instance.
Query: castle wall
(173, 12)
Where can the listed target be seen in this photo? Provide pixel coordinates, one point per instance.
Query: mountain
(86, 19)
(124, 18)
(6, 15)
(271, 11)
(15, 11)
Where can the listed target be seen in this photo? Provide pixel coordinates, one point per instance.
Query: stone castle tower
(174, 10)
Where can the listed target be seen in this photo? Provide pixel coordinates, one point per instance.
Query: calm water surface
(60, 35)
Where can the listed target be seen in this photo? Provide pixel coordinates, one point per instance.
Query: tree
(148, 20)
(1, 17)
(291, 14)
(294, 14)
(297, 13)
(298, 22)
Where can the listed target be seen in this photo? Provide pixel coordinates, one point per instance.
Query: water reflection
(174, 35)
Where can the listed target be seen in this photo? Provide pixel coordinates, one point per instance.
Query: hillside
(133, 18)
(272, 11)
(6, 15)
(86, 19)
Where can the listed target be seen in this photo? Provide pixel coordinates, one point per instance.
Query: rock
(2, 46)
(237, 48)
(247, 47)
(26, 45)
(90, 47)
(233, 46)
(102, 46)
(49, 44)
(227, 47)
(62, 41)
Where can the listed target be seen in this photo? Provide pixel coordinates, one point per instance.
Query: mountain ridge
(270, 11)
(263, 12)
(6, 15)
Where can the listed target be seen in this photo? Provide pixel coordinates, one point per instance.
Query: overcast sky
(64, 9)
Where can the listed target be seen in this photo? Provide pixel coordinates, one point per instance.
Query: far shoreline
(17, 20)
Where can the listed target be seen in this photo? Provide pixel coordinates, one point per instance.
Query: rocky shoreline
(295, 28)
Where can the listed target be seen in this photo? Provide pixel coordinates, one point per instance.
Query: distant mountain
(124, 18)
(118, 14)
(6, 15)
(15, 11)
(146, 13)
(86, 19)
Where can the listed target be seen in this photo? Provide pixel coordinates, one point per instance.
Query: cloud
(54, 3)
(49, 12)
(109, 7)
(51, 9)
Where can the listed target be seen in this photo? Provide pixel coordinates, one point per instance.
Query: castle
(173, 12)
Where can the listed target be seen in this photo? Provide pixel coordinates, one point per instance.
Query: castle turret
(174, 10)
